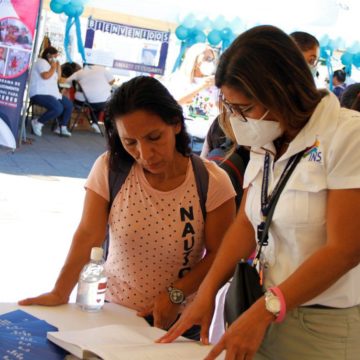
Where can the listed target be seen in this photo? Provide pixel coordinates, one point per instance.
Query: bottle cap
(96, 253)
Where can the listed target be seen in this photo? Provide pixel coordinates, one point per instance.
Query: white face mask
(313, 69)
(255, 132)
(207, 68)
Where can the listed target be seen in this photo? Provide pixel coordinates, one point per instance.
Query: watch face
(272, 303)
(176, 296)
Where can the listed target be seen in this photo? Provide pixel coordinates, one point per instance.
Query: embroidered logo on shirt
(313, 153)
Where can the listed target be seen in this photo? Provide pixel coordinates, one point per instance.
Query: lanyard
(267, 201)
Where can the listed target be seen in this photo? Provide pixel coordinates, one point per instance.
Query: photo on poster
(17, 62)
(150, 56)
(14, 33)
(15, 47)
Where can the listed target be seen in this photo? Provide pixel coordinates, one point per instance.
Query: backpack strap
(202, 181)
(117, 179)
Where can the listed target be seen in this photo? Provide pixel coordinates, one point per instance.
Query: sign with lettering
(126, 47)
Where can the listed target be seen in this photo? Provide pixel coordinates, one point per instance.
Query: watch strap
(277, 292)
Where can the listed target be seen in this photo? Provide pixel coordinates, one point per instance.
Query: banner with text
(17, 26)
(126, 47)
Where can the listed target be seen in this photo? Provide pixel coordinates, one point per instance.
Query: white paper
(119, 342)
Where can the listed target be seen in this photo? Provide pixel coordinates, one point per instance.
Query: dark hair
(340, 75)
(351, 97)
(264, 64)
(148, 94)
(50, 50)
(67, 69)
(304, 40)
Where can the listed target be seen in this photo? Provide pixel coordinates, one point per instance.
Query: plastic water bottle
(92, 283)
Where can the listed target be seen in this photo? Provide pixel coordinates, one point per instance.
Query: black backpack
(234, 165)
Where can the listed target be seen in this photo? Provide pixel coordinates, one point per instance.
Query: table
(71, 317)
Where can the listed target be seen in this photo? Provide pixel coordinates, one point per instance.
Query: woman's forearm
(317, 274)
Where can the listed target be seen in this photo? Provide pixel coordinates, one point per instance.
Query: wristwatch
(176, 296)
(272, 303)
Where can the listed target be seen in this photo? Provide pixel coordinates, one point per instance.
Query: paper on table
(118, 342)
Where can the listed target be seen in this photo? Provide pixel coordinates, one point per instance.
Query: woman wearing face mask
(192, 85)
(44, 92)
(312, 261)
(310, 47)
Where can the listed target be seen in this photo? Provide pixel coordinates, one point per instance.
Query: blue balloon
(189, 21)
(190, 41)
(56, 7)
(339, 43)
(354, 48)
(193, 32)
(200, 37)
(63, 2)
(331, 45)
(226, 33)
(324, 53)
(346, 58)
(220, 22)
(73, 11)
(356, 60)
(181, 32)
(76, 3)
(324, 41)
(200, 25)
(214, 37)
(204, 24)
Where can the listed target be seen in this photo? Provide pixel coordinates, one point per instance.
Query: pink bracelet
(276, 291)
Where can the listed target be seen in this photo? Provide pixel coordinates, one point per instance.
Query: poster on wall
(126, 47)
(17, 26)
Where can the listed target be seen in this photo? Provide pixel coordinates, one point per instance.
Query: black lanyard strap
(267, 200)
(268, 203)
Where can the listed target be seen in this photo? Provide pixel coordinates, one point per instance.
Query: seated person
(68, 68)
(95, 88)
(44, 91)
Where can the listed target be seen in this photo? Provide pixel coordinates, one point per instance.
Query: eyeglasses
(313, 61)
(234, 109)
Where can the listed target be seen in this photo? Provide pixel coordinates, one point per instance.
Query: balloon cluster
(351, 56)
(192, 31)
(73, 9)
